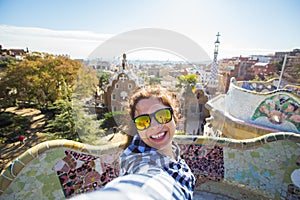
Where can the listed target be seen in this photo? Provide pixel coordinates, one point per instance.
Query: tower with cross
(213, 83)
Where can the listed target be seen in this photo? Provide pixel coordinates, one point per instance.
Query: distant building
(154, 70)
(103, 65)
(293, 58)
(263, 69)
(17, 53)
(238, 67)
(201, 71)
(169, 82)
(262, 58)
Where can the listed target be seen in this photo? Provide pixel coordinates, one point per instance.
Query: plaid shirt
(139, 158)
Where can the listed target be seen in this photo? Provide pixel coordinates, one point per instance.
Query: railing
(268, 86)
(293, 88)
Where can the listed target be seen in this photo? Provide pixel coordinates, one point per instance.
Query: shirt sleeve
(150, 186)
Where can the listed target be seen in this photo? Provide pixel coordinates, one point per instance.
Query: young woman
(154, 112)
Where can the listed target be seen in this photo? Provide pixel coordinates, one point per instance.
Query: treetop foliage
(190, 79)
(40, 78)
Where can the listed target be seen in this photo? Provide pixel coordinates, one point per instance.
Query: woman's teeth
(158, 135)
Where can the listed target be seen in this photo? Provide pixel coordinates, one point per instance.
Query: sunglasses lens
(142, 122)
(163, 116)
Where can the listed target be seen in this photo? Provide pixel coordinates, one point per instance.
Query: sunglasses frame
(153, 115)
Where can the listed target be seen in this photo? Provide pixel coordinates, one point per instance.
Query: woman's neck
(167, 151)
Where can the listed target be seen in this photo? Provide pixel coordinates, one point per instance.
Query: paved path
(10, 151)
(199, 195)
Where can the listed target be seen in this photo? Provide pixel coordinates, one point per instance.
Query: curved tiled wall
(278, 110)
(261, 166)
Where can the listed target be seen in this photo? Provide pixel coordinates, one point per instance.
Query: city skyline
(76, 29)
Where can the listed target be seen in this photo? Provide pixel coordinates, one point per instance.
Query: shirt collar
(139, 146)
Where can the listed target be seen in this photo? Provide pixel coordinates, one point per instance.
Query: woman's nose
(154, 123)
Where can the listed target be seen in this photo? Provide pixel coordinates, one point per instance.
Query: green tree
(85, 84)
(40, 78)
(7, 60)
(86, 125)
(154, 80)
(190, 79)
(103, 78)
(63, 125)
(71, 120)
(110, 119)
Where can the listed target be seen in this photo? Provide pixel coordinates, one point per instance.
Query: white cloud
(77, 44)
(80, 44)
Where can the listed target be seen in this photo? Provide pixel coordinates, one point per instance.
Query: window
(123, 96)
(113, 96)
(117, 86)
(198, 95)
(129, 86)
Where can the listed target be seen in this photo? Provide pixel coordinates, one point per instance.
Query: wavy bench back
(63, 168)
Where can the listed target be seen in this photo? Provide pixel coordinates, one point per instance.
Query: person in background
(21, 138)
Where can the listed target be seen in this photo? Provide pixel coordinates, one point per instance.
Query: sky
(78, 27)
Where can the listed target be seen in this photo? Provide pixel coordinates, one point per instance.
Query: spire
(217, 43)
(124, 61)
(214, 69)
(218, 35)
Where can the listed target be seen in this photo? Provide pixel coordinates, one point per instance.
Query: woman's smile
(158, 136)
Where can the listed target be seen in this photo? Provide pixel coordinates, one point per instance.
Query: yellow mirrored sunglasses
(162, 116)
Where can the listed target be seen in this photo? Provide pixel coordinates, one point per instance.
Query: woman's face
(158, 136)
